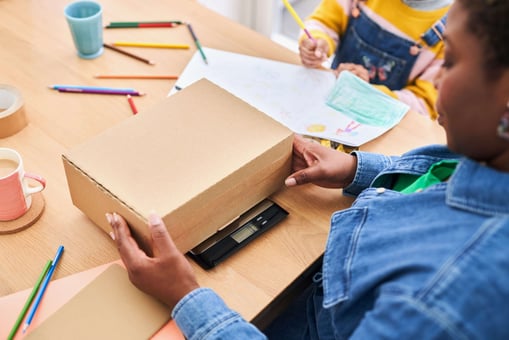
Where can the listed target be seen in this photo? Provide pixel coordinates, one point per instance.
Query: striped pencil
(143, 24)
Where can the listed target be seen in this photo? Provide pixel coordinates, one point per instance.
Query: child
(394, 44)
(422, 252)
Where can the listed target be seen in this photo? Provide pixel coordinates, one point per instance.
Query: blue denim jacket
(433, 264)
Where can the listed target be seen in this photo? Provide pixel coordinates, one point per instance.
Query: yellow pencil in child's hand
(297, 19)
(145, 44)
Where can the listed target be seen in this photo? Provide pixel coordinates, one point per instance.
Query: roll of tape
(12, 112)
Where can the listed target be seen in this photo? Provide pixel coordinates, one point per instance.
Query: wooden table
(37, 51)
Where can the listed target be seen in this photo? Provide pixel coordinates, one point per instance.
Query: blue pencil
(98, 88)
(43, 287)
(29, 301)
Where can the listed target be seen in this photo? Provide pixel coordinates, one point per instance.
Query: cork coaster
(25, 221)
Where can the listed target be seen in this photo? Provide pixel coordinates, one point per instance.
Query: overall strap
(435, 34)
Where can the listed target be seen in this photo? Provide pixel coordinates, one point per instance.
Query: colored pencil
(153, 45)
(144, 25)
(134, 24)
(47, 279)
(131, 104)
(29, 301)
(129, 54)
(297, 19)
(197, 42)
(135, 76)
(84, 87)
(110, 92)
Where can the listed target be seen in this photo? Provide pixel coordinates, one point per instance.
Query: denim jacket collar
(478, 188)
(473, 187)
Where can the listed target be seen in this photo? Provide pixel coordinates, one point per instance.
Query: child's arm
(325, 24)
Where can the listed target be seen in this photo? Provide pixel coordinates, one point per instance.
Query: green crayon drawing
(363, 103)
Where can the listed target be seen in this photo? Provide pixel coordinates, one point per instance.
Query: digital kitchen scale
(237, 234)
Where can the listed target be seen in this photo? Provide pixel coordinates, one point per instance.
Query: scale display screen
(240, 235)
(237, 234)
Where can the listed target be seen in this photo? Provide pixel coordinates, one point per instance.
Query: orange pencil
(131, 104)
(135, 76)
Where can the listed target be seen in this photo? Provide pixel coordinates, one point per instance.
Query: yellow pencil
(297, 19)
(145, 44)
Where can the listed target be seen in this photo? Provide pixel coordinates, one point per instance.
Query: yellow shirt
(330, 19)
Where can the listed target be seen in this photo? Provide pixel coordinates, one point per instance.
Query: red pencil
(143, 24)
(131, 104)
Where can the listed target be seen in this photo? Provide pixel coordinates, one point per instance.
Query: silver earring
(503, 125)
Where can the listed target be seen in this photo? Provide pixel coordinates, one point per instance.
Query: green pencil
(120, 23)
(197, 42)
(29, 301)
(143, 24)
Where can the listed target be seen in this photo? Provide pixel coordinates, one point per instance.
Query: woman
(423, 249)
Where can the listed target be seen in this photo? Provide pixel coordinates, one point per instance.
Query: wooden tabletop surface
(37, 51)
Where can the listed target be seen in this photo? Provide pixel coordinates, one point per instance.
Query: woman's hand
(167, 275)
(315, 163)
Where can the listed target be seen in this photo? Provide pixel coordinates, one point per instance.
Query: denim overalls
(387, 57)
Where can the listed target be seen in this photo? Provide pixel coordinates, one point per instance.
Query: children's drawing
(316, 128)
(293, 95)
(349, 128)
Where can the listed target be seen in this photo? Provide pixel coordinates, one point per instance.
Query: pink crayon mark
(349, 128)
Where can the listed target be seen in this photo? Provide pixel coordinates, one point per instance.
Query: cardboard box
(199, 159)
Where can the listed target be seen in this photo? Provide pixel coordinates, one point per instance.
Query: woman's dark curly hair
(489, 21)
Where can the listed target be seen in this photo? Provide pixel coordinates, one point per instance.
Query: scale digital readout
(237, 234)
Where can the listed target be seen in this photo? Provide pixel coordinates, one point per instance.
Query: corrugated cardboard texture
(199, 159)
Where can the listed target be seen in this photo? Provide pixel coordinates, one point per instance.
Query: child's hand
(356, 69)
(313, 54)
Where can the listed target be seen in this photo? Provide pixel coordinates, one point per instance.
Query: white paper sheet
(293, 95)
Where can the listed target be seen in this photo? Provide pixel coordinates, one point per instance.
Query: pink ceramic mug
(15, 190)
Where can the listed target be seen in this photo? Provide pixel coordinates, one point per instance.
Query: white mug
(15, 189)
